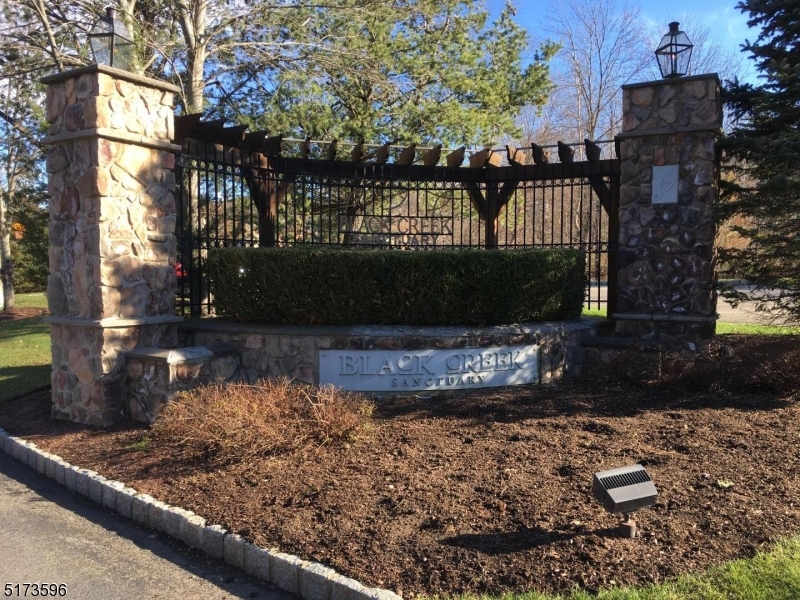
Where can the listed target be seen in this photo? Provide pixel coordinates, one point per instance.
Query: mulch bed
(13, 314)
(491, 492)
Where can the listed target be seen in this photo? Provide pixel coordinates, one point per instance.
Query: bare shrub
(231, 422)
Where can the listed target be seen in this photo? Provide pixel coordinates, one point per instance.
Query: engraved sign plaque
(430, 369)
(665, 185)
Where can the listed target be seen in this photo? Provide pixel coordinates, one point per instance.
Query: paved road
(48, 534)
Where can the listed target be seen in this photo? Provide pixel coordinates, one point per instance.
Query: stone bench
(155, 375)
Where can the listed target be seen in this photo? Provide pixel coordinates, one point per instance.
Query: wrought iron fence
(233, 198)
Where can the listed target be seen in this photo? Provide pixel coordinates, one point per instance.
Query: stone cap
(223, 325)
(176, 355)
(112, 72)
(112, 322)
(671, 80)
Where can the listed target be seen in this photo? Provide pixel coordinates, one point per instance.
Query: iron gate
(227, 197)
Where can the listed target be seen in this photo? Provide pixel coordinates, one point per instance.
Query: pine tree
(763, 155)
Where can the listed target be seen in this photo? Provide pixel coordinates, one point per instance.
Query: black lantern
(110, 42)
(674, 53)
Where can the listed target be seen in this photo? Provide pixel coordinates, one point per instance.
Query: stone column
(112, 281)
(669, 183)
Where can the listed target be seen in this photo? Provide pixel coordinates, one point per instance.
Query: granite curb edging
(309, 580)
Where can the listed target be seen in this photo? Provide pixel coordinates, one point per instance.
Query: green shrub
(332, 286)
(30, 254)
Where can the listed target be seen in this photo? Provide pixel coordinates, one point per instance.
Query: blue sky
(726, 22)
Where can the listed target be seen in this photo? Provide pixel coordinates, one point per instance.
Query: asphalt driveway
(50, 535)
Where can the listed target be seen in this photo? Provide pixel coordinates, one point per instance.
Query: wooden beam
(273, 146)
(231, 136)
(253, 140)
(540, 155)
(393, 171)
(382, 154)
(494, 160)
(477, 199)
(565, 153)
(455, 158)
(485, 158)
(208, 131)
(516, 157)
(330, 152)
(408, 154)
(593, 151)
(431, 157)
(357, 153)
(185, 125)
(602, 190)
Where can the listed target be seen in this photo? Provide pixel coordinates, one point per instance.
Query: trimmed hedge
(333, 286)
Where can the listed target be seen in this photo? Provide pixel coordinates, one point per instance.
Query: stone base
(88, 361)
(670, 332)
(291, 351)
(154, 376)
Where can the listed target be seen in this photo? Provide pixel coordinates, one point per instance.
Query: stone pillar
(112, 283)
(669, 183)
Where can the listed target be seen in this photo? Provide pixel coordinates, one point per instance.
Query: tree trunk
(6, 265)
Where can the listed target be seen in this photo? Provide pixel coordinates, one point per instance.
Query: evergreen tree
(763, 155)
(413, 70)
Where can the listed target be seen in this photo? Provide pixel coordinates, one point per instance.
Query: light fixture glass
(110, 42)
(674, 53)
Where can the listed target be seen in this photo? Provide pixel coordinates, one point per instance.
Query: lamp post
(110, 42)
(674, 53)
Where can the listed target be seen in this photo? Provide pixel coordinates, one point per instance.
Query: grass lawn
(755, 329)
(24, 351)
(35, 300)
(724, 328)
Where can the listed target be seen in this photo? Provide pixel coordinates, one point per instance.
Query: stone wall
(666, 259)
(276, 350)
(112, 231)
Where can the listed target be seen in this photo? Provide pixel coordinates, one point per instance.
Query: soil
(13, 314)
(491, 491)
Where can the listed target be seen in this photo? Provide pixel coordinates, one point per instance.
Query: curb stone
(60, 474)
(96, 488)
(140, 508)
(192, 530)
(173, 520)
(32, 455)
(124, 504)
(71, 478)
(234, 550)
(315, 581)
(157, 515)
(110, 490)
(285, 569)
(257, 561)
(344, 588)
(312, 581)
(214, 541)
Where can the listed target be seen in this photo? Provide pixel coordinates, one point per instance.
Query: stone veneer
(112, 232)
(228, 351)
(666, 259)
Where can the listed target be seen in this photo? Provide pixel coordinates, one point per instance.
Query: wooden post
(492, 211)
